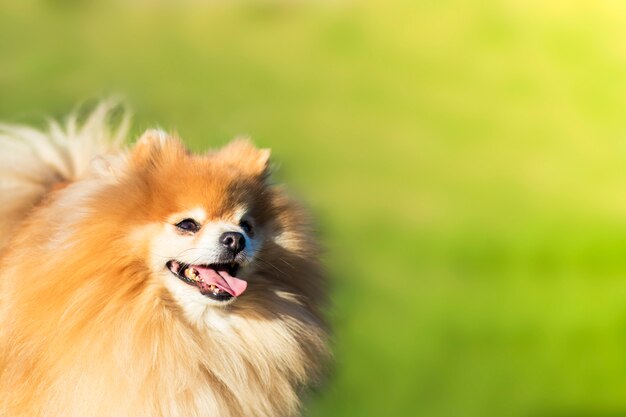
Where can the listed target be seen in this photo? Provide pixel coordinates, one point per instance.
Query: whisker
(270, 264)
(288, 264)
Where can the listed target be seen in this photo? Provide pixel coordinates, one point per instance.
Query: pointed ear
(153, 145)
(242, 153)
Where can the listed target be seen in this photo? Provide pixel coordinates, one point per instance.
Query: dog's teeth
(191, 273)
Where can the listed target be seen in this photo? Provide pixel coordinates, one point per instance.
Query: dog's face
(205, 253)
(207, 218)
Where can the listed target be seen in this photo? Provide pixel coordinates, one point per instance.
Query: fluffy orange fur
(87, 328)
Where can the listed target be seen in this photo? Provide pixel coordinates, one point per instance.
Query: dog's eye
(246, 226)
(188, 225)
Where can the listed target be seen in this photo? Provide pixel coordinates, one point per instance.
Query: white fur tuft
(33, 161)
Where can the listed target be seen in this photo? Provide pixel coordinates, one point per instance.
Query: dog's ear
(153, 146)
(243, 154)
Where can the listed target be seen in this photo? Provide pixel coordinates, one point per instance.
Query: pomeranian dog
(151, 281)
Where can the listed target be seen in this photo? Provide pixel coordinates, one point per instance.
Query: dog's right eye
(188, 225)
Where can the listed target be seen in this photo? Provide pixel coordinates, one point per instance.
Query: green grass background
(466, 161)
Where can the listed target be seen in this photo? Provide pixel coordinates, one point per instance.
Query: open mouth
(215, 281)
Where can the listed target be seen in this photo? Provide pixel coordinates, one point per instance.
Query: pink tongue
(222, 279)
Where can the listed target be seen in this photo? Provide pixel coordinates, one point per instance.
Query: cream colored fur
(33, 161)
(87, 327)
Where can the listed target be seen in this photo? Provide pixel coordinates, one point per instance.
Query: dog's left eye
(246, 226)
(188, 225)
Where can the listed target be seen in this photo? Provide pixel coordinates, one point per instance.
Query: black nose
(233, 241)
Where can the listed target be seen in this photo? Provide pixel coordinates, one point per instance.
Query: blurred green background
(466, 161)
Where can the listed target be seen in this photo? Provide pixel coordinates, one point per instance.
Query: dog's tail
(33, 162)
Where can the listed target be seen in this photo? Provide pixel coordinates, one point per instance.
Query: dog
(152, 281)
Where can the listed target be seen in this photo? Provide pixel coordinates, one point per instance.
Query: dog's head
(201, 219)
